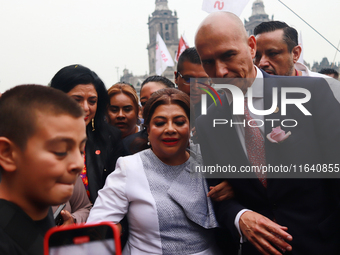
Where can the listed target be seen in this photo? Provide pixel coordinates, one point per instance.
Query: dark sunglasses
(187, 79)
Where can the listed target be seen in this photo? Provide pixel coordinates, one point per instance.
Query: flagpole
(117, 68)
(335, 55)
(310, 26)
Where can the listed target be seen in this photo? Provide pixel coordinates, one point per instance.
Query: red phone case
(83, 239)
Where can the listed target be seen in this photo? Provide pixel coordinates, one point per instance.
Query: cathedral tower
(164, 22)
(258, 16)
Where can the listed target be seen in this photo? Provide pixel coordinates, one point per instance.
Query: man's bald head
(220, 21)
(224, 47)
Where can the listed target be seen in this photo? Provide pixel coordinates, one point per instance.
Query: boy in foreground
(42, 139)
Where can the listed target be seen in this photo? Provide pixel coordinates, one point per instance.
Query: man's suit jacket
(308, 207)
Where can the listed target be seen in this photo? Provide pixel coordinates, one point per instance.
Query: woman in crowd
(123, 108)
(152, 187)
(104, 144)
(137, 142)
(151, 85)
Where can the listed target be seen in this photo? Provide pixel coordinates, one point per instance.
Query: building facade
(258, 16)
(163, 21)
(325, 64)
(135, 80)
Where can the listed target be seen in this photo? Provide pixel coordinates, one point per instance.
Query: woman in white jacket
(164, 199)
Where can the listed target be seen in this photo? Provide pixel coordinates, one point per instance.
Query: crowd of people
(113, 155)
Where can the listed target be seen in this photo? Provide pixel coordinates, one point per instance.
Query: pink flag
(182, 45)
(163, 57)
(234, 6)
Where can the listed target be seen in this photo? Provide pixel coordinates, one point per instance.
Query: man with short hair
(42, 140)
(330, 72)
(297, 216)
(189, 67)
(277, 48)
(278, 51)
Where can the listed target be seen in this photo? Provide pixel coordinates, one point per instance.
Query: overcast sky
(38, 37)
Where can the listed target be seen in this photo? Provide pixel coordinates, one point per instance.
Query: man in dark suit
(296, 216)
(278, 52)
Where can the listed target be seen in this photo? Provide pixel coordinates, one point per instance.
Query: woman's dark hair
(70, 76)
(165, 97)
(161, 79)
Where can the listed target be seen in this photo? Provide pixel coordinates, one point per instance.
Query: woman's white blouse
(166, 206)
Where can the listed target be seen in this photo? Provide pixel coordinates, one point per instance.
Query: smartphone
(83, 239)
(58, 219)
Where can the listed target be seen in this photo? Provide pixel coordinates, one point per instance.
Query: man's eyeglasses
(187, 79)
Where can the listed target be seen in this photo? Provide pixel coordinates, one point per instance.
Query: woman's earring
(148, 143)
(93, 129)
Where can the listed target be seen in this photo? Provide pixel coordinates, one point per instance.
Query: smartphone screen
(103, 247)
(83, 240)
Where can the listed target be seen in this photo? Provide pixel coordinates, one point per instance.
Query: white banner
(234, 6)
(163, 57)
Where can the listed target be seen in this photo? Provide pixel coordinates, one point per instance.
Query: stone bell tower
(163, 21)
(258, 16)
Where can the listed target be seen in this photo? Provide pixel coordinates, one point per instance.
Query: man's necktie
(254, 144)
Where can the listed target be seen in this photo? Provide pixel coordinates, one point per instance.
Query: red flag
(182, 45)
